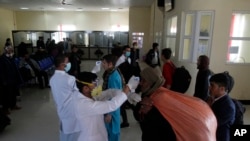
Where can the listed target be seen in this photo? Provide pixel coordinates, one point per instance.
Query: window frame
(231, 38)
(169, 36)
(195, 36)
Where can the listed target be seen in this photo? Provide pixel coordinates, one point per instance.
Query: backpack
(181, 80)
(239, 112)
(239, 107)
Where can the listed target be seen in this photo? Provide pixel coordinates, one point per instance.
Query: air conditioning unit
(165, 5)
(169, 5)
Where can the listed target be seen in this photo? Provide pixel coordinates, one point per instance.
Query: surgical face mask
(96, 91)
(67, 67)
(98, 87)
(127, 54)
(10, 55)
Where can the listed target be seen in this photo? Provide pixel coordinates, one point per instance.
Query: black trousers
(123, 111)
(42, 77)
(8, 96)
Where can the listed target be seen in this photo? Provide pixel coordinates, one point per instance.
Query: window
(171, 30)
(239, 42)
(138, 37)
(196, 35)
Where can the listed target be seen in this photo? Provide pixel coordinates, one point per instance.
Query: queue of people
(162, 113)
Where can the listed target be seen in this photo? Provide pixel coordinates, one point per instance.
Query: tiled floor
(37, 120)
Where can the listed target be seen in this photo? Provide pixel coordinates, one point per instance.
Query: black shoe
(123, 125)
(16, 108)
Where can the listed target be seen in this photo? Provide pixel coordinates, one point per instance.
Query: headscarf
(153, 76)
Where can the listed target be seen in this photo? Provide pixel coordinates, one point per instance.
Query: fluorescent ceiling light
(60, 8)
(105, 8)
(24, 8)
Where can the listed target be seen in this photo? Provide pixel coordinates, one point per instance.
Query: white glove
(133, 83)
(134, 98)
(97, 67)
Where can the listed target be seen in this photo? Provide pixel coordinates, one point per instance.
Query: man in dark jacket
(202, 78)
(10, 80)
(75, 61)
(222, 106)
(152, 57)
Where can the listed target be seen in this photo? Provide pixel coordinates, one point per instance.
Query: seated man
(35, 70)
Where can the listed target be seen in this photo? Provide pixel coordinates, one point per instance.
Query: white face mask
(96, 91)
(67, 67)
(10, 55)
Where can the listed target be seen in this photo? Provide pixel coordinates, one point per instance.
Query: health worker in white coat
(63, 87)
(81, 117)
(90, 112)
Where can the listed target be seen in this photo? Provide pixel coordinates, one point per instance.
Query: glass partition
(88, 42)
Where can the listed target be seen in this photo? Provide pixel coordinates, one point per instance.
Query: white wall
(7, 24)
(139, 21)
(98, 21)
(223, 10)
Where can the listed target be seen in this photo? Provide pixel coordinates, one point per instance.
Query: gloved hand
(97, 67)
(134, 98)
(133, 83)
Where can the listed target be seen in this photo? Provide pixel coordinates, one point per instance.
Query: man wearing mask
(63, 86)
(124, 65)
(10, 80)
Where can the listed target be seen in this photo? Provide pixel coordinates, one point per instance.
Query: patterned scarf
(106, 75)
(153, 76)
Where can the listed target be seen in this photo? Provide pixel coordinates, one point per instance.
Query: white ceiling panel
(73, 5)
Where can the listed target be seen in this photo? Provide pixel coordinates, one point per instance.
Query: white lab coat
(63, 87)
(90, 114)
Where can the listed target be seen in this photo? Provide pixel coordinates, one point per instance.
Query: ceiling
(73, 5)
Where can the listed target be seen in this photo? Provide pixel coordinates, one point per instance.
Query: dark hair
(155, 45)
(74, 46)
(117, 51)
(134, 43)
(125, 47)
(230, 80)
(204, 62)
(88, 77)
(110, 58)
(166, 52)
(222, 80)
(60, 58)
